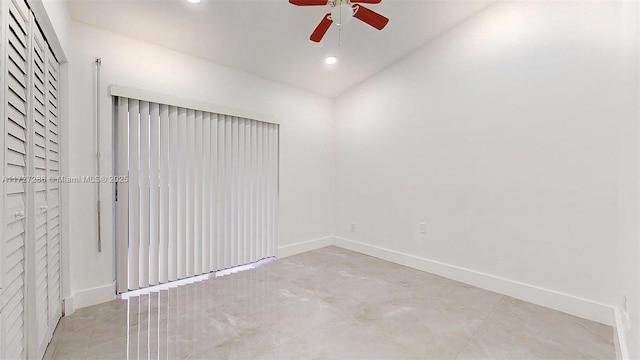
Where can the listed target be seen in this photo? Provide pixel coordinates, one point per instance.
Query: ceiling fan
(340, 12)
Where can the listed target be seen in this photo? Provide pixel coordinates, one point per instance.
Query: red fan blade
(308, 2)
(321, 29)
(370, 17)
(367, 1)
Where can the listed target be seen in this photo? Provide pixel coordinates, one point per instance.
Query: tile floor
(329, 303)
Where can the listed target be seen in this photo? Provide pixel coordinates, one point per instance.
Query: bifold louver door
(202, 192)
(30, 297)
(38, 167)
(15, 31)
(54, 251)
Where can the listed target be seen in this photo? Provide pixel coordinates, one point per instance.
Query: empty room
(320, 179)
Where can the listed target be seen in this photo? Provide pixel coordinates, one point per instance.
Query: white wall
(503, 135)
(628, 251)
(306, 162)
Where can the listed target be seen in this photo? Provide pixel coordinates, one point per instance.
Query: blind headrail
(145, 95)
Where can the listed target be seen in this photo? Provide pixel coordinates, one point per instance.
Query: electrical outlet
(422, 227)
(353, 228)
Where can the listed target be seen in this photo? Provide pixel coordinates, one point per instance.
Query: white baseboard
(567, 303)
(67, 307)
(570, 304)
(297, 248)
(89, 297)
(619, 336)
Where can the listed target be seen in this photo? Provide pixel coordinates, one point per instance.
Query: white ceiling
(270, 38)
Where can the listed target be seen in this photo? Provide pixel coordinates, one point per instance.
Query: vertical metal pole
(98, 63)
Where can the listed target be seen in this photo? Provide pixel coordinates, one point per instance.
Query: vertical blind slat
(122, 219)
(213, 195)
(263, 168)
(273, 188)
(234, 192)
(134, 193)
(173, 194)
(154, 201)
(197, 191)
(276, 189)
(228, 191)
(263, 203)
(164, 194)
(239, 223)
(190, 206)
(144, 194)
(254, 181)
(205, 188)
(267, 184)
(259, 193)
(220, 219)
(182, 193)
(247, 191)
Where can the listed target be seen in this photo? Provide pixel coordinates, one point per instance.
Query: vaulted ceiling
(270, 38)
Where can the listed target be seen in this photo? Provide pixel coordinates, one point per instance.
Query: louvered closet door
(38, 168)
(43, 218)
(15, 103)
(54, 269)
(30, 245)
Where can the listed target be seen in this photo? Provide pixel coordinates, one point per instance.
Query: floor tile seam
(484, 319)
(562, 343)
(387, 335)
(296, 336)
(555, 341)
(578, 320)
(325, 302)
(83, 349)
(539, 333)
(89, 328)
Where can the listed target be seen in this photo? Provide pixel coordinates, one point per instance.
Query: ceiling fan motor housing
(341, 12)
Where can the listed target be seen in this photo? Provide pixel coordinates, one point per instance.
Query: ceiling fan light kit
(341, 12)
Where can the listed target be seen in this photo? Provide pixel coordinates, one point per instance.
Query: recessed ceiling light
(194, 1)
(330, 60)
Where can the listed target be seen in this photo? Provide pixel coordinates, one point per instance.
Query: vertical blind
(201, 193)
